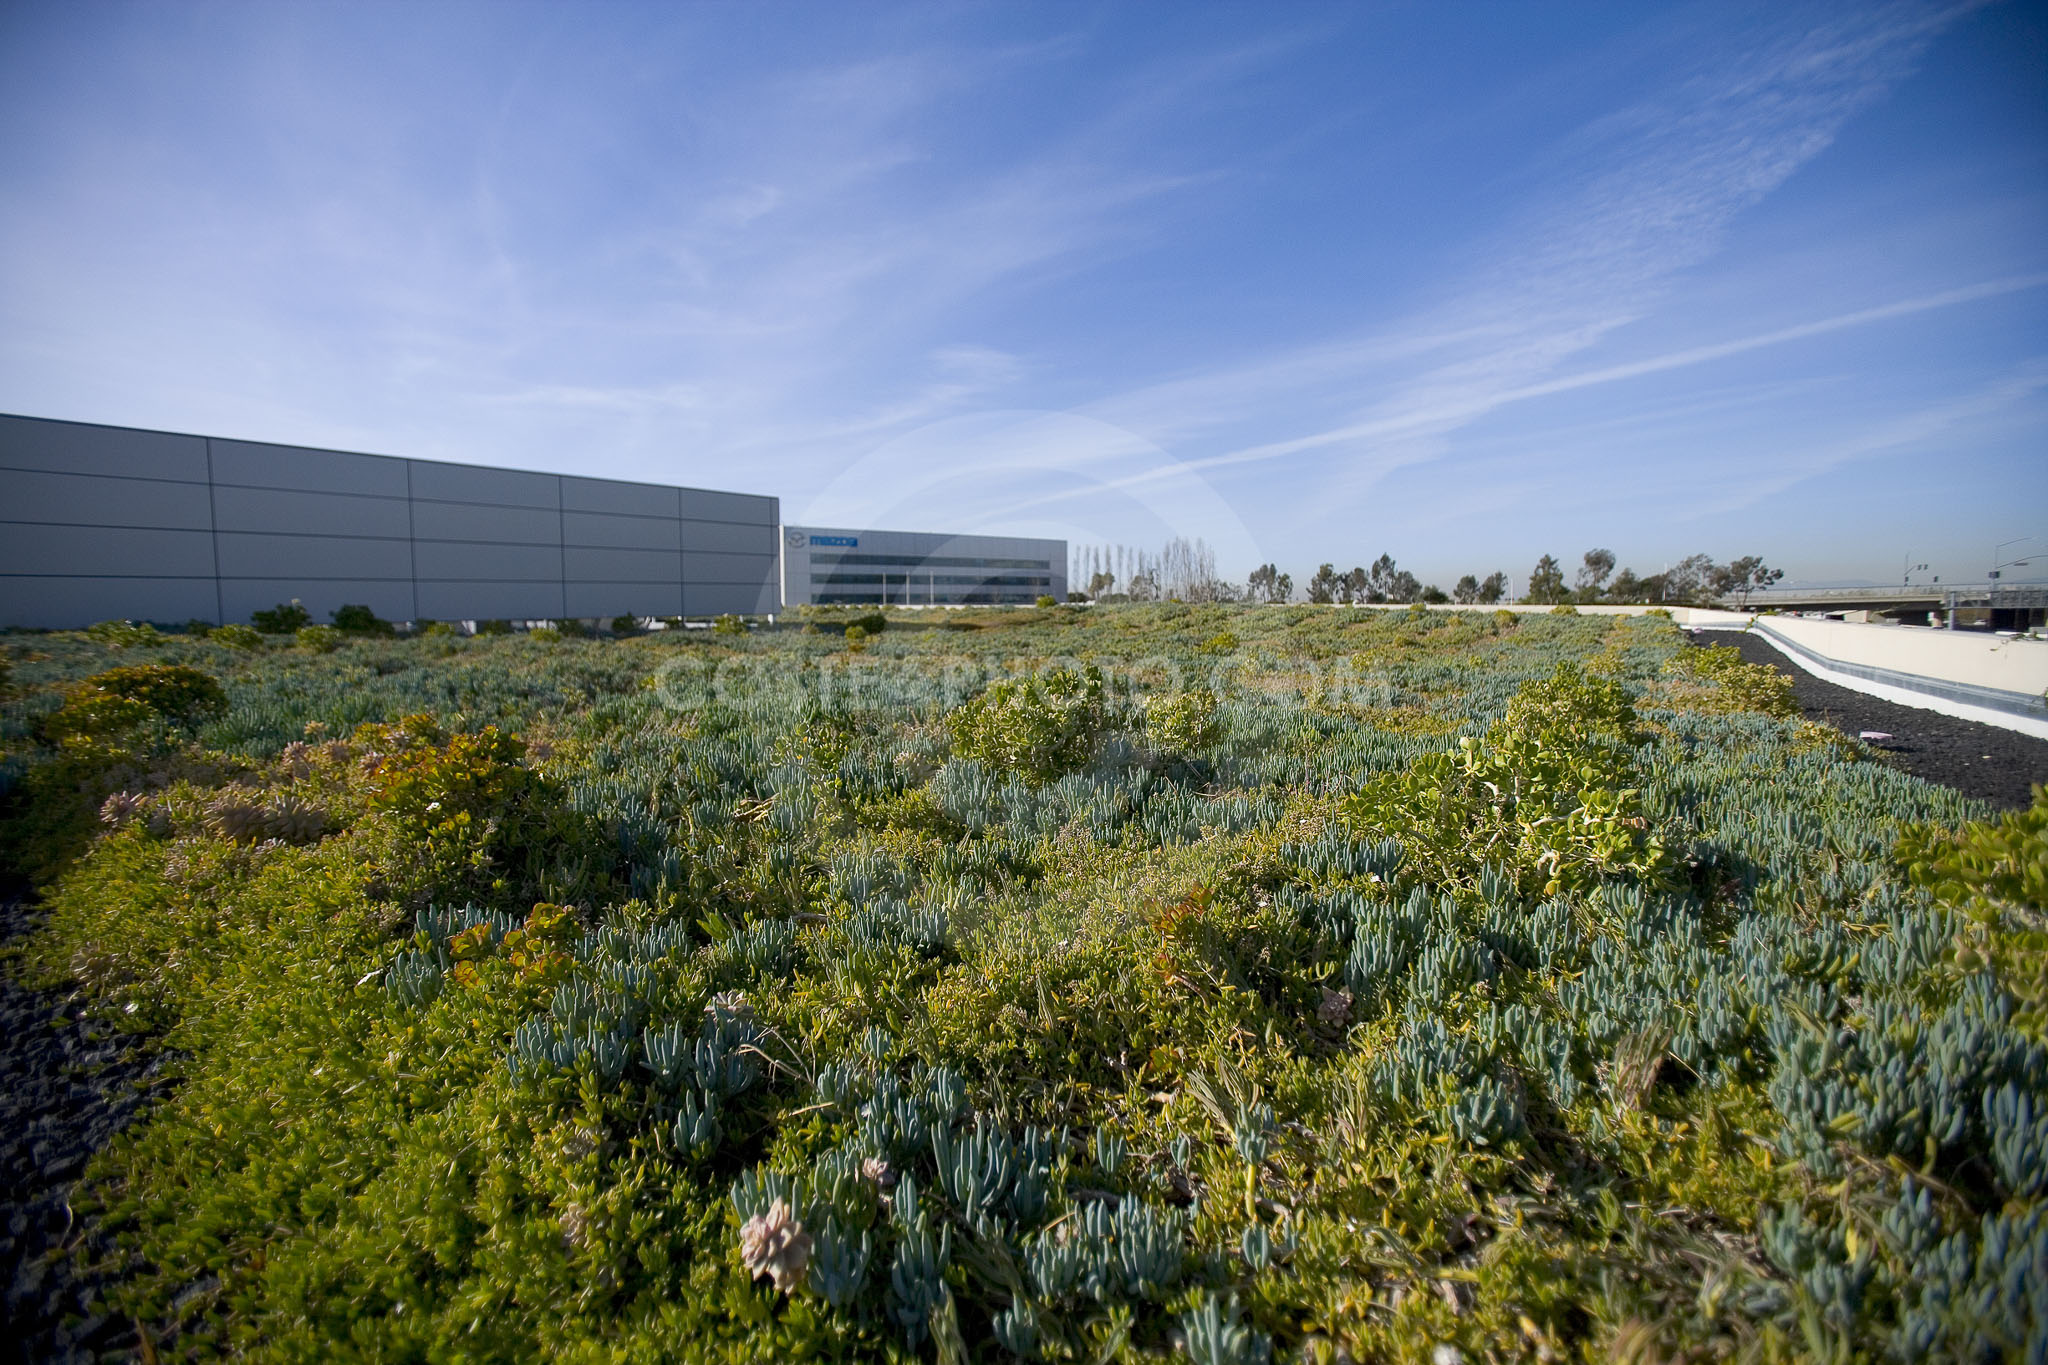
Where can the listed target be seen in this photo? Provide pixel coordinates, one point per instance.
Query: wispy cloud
(1642, 196)
(1018, 266)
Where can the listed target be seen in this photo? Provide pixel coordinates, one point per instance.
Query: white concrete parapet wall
(2003, 662)
(1996, 679)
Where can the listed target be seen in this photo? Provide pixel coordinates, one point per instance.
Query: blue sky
(1465, 285)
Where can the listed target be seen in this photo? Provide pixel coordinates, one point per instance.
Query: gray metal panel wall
(495, 524)
(250, 464)
(699, 568)
(582, 565)
(93, 499)
(717, 599)
(597, 530)
(470, 601)
(102, 522)
(55, 602)
(728, 538)
(623, 599)
(334, 514)
(474, 562)
(118, 452)
(700, 504)
(106, 552)
(492, 487)
(620, 498)
(297, 556)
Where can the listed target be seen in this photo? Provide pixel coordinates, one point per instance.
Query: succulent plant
(774, 1246)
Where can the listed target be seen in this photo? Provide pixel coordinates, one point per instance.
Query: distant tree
(1353, 586)
(1268, 584)
(1592, 575)
(1323, 587)
(1101, 583)
(1434, 595)
(1690, 580)
(1546, 582)
(1743, 577)
(1144, 587)
(1379, 580)
(1187, 570)
(1494, 589)
(1465, 591)
(1403, 586)
(1626, 587)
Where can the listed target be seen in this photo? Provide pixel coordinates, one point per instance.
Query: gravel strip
(67, 1085)
(1985, 761)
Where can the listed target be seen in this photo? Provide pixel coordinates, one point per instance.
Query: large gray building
(834, 565)
(100, 522)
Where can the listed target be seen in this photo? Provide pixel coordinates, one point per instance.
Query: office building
(839, 566)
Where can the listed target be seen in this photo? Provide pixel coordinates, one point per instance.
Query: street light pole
(1999, 549)
(1991, 588)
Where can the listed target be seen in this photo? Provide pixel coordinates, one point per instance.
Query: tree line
(1692, 581)
(1185, 571)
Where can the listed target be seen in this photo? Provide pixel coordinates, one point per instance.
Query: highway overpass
(1966, 606)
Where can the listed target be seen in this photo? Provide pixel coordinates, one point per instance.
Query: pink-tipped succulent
(775, 1244)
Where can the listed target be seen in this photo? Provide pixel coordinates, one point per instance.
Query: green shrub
(625, 625)
(125, 634)
(236, 636)
(1549, 797)
(1738, 686)
(319, 639)
(728, 624)
(94, 717)
(1996, 872)
(286, 618)
(494, 627)
(1182, 723)
(115, 703)
(873, 622)
(436, 630)
(1037, 727)
(357, 619)
(1046, 599)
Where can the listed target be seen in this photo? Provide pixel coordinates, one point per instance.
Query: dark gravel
(1984, 761)
(67, 1085)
